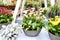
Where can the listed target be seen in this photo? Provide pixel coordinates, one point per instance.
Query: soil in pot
(53, 37)
(32, 33)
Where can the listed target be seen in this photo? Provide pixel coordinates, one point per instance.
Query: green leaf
(38, 28)
(56, 34)
(5, 18)
(27, 29)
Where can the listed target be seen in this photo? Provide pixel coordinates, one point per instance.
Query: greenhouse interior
(29, 19)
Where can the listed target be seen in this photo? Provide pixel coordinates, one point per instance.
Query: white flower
(11, 29)
(9, 34)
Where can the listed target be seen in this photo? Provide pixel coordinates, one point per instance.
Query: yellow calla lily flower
(59, 19)
(50, 19)
(54, 22)
(56, 18)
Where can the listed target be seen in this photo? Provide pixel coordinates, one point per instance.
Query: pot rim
(32, 30)
(5, 23)
(53, 35)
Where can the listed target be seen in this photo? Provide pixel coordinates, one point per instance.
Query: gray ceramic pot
(53, 37)
(31, 33)
(4, 24)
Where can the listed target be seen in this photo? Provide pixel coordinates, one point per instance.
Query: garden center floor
(42, 36)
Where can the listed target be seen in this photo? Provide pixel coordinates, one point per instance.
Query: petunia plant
(5, 15)
(33, 21)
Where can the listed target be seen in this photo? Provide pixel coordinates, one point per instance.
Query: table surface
(42, 36)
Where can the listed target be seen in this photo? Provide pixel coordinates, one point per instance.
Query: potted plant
(6, 16)
(32, 23)
(54, 28)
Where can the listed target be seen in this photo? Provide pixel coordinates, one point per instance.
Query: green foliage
(32, 21)
(54, 29)
(45, 10)
(54, 11)
(48, 3)
(1, 2)
(5, 18)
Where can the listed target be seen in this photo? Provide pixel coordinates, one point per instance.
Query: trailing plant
(11, 31)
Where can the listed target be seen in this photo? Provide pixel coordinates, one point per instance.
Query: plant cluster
(33, 21)
(54, 11)
(5, 15)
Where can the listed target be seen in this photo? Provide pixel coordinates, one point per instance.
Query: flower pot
(32, 33)
(4, 24)
(53, 37)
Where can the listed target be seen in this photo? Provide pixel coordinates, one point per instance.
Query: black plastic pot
(32, 33)
(4, 24)
(53, 37)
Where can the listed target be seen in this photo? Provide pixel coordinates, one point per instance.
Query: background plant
(32, 3)
(54, 11)
(5, 15)
(48, 3)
